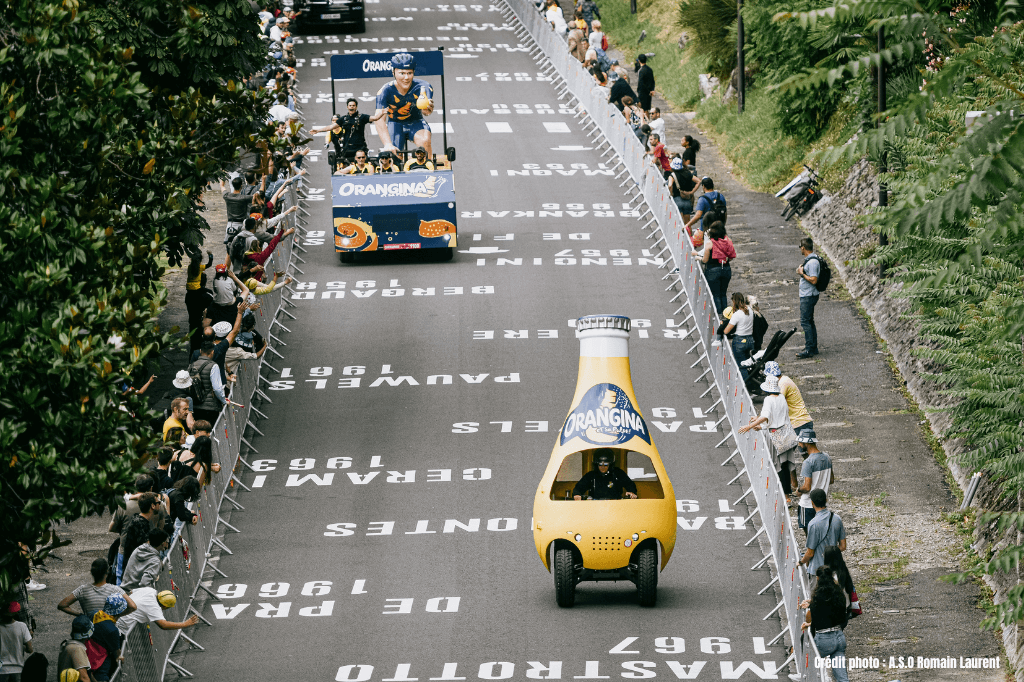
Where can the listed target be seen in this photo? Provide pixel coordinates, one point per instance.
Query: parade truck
(395, 211)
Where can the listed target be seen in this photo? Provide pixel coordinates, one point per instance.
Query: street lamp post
(883, 191)
(741, 81)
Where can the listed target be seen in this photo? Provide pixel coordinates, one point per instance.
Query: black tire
(346, 257)
(447, 254)
(788, 213)
(359, 26)
(647, 576)
(565, 578)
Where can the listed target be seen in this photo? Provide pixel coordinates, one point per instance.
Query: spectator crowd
(222, 301)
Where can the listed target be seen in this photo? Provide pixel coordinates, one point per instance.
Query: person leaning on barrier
(605, 481)
(104, 646)
(578, 44)
(249, 344)
(91, 598)
(150, 610)
(143, 567)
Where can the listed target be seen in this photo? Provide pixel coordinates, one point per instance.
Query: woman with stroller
(742, 322)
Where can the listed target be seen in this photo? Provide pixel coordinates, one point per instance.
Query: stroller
(755, 365)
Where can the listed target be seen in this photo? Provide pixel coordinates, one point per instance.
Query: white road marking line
(556, 126)
(436, 127)
(498, 127)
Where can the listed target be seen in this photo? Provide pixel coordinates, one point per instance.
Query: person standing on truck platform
(401, 106)
(353, 131)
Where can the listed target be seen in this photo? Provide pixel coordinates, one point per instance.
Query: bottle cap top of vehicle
(602, 322)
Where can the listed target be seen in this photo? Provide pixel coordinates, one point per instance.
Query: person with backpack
(710, 202)
(207, 384)
(814, 278)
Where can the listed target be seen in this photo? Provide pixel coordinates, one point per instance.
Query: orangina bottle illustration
(604, 509)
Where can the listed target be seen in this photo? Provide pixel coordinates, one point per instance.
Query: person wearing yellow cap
(150, 605)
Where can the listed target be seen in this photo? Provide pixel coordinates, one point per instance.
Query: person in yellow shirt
(419, 162)
(360, 167)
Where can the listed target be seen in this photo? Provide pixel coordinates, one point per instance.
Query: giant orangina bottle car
(604, 509)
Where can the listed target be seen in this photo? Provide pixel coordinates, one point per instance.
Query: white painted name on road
(373, 528)
(403, 380)
(305, 291)
(590, 670)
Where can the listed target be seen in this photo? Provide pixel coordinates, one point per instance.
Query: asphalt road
(388, 537)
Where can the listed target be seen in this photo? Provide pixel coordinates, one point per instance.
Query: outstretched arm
(381, 124)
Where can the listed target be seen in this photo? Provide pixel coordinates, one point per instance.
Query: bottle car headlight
(636, 536)
(578, 537)
(628, 542)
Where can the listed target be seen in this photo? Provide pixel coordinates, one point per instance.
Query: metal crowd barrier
(147, 649)
(662, 223)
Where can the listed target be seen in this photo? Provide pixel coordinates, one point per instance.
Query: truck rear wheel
(647, 576)
(565, 578)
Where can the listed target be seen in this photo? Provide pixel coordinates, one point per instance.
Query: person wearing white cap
(774, 413)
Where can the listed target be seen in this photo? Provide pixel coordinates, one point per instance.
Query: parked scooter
(801, 194)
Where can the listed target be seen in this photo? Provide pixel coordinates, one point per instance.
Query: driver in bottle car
(606, 481)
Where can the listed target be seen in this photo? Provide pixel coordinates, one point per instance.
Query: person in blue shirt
(705, 204)
(398, 118)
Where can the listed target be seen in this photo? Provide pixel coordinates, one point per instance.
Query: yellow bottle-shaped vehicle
(605, 508)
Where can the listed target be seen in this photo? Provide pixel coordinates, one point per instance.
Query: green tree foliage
(115, 116)
(955, 222)
(711, 27)
(779, 50)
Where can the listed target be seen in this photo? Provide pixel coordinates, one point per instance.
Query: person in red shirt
(261, 257)
(659, 155)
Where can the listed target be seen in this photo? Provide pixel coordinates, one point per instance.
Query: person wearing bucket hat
(73, 654)
(798, 414)
(775, 414)
(816, 473)
(105, 644)
(151, 605)
(181, 385)
(15, 642)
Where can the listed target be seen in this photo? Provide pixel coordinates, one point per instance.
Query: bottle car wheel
(647, 576)
(565, 580)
